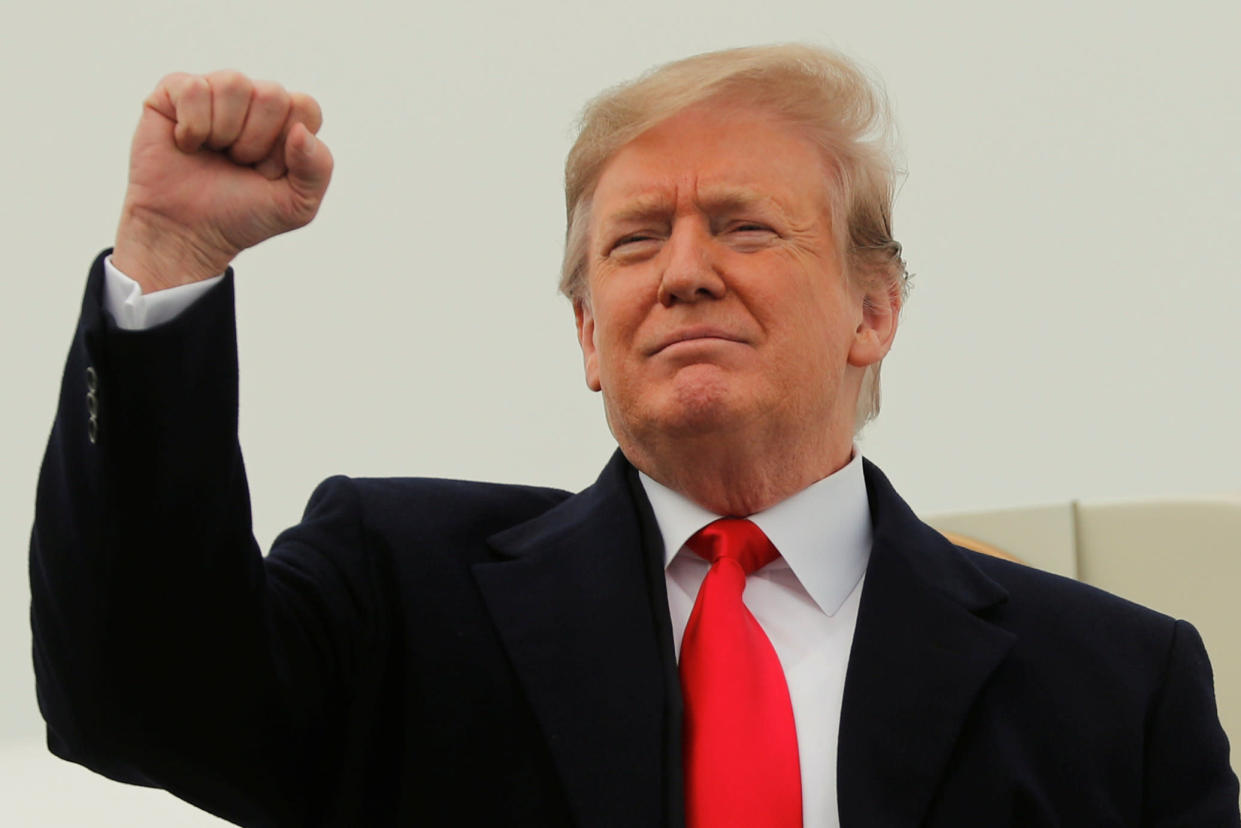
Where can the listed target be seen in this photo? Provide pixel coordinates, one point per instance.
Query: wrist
(158, 254)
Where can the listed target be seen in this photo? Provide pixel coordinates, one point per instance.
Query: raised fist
(219, 163)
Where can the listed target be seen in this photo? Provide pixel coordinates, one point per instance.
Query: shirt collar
(823, 532)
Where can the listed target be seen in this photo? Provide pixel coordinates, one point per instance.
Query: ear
(586, 338)
(881, 310)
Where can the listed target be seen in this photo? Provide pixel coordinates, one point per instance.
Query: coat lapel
(921, 652)
(578, 597)
(579, 601)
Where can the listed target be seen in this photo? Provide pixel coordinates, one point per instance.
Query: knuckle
(196, 85)
(190, 98)
(171, 80)
(271, 97)
(180, 86)
(230, 83)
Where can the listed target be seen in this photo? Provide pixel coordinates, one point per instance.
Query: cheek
(618, 313)
(610, 340)
(824, 327)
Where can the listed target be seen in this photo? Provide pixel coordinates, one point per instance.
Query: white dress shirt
(806, 600)
(134, 310)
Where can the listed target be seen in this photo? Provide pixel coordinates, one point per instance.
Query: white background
(1071, 214)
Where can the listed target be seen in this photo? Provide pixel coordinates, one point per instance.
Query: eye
(750, 235)
(634, 245)
(632, 238)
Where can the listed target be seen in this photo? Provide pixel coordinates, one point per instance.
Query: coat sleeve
(1189, 781)
(167, 651)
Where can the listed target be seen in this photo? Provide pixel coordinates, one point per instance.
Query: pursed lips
(694, 333)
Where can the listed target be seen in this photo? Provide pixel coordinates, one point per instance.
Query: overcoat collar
(579, 599)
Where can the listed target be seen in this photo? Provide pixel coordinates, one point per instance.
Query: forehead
(715, 157)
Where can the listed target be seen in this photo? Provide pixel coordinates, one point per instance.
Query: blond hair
(816, 90)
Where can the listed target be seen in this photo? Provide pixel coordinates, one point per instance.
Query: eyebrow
(639, 208)
(723, 198)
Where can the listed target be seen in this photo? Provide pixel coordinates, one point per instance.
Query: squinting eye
(634, 239)
(750, 236)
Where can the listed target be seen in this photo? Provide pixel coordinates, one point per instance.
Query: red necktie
(741, 765)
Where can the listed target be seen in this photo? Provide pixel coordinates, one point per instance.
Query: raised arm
(166, 651)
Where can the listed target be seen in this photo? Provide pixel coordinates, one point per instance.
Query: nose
(690, 273)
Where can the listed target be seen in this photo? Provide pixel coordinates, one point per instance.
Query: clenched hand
(219, 163)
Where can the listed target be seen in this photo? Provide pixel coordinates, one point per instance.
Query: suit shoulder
(1077, 620)
(1059, 593)
(450, 506)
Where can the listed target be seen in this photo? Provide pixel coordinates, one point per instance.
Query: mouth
(694, 334)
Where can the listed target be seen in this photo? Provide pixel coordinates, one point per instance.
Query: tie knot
(734, 538)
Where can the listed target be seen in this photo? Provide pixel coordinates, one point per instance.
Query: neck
(739, 477)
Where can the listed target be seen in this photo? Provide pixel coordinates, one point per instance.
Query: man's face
(716, 299)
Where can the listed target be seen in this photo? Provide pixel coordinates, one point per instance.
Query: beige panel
(1041, 536)
(1181, 558)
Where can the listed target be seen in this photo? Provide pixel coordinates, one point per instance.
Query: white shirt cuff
(134, 310)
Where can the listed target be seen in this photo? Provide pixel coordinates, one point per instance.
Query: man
(449, 653)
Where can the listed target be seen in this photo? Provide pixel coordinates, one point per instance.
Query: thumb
(309, 164)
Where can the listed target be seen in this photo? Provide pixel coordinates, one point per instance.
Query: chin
(698, 402)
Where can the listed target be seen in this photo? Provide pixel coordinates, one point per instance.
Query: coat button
(92, 403)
